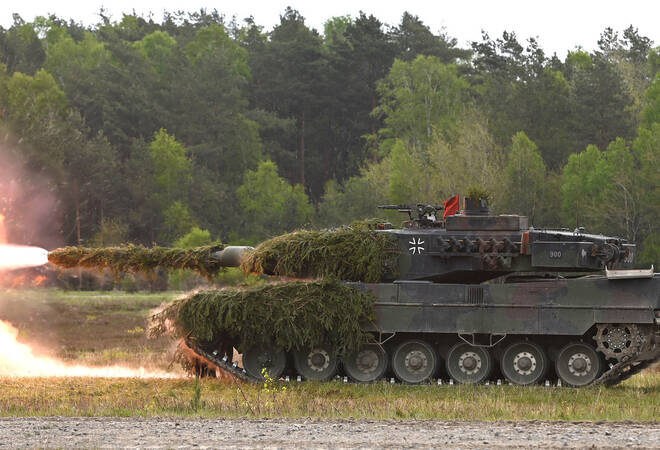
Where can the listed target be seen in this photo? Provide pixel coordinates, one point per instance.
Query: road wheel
(318, 363)
(366, 365)
(414, 361)
(469, 364)
(261, 361)
(524, 363)
(577, 364)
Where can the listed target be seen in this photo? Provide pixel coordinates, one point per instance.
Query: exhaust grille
(475, 296)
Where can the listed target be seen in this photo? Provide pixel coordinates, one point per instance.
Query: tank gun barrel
(425, 213)
(231, 255)
(399, 208)
(409, 208)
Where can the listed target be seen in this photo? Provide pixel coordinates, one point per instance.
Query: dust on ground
(94, 328)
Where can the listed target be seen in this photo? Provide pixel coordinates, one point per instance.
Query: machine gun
(426, 214)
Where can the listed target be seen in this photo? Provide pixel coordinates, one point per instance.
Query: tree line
(148, 131)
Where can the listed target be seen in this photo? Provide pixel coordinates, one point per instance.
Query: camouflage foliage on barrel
(352, 253)
(136, 258)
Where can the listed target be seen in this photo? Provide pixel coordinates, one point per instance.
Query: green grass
(86, 298)
(636, 400)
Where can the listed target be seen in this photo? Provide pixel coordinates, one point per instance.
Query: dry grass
(92, 328)
(636, 400)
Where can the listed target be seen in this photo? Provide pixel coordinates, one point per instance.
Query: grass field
(92, 328)
(107, 328)
(637, 400)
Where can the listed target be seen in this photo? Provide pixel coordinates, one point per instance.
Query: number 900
(555, 254)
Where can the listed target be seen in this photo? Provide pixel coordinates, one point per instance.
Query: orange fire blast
(22, 281)
(18, 360)
(3, 231)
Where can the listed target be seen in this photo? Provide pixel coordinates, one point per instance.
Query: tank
(475, 296)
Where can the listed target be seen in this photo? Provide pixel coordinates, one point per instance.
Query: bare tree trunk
(79, 241)
(374, 129)
(301, 151)
(101, 233)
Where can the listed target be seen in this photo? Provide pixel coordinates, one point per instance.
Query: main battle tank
(472, 293)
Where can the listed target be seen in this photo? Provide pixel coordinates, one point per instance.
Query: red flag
(452, 206)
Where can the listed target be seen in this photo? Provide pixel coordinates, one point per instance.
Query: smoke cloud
(27, 201)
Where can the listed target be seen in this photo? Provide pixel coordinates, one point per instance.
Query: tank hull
(595, 329)
(569, 307)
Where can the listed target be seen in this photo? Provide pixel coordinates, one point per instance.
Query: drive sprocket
(618, 340)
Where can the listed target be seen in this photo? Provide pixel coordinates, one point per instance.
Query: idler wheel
(260, 362)
(618, 340)
(524, 363)
(318, 363)
(367, 364)
(414, 361)
(468, 364)
(577, 364)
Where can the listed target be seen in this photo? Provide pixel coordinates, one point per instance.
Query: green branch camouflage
(350, 254)
(136, 258)
(289, 315)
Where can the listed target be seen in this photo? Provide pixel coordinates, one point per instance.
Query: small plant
(196, 400)
(270, 386)
(479, 193)
(268, 380)
(128, 283)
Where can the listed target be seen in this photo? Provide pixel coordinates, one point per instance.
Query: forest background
(198, 128)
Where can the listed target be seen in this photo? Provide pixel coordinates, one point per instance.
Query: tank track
(223, 363)
(647, 355)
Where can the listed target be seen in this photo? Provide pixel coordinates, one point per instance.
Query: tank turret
(473, 246)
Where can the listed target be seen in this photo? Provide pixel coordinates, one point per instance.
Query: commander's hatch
(629, 273)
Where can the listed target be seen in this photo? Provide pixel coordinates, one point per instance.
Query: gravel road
(67, 432)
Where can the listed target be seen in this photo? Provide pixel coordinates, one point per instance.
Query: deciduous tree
(524, 177)
(271, 204)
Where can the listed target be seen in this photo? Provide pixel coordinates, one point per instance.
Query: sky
(560, 25)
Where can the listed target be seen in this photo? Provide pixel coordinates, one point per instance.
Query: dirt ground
(57, 432)
(93, 328)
